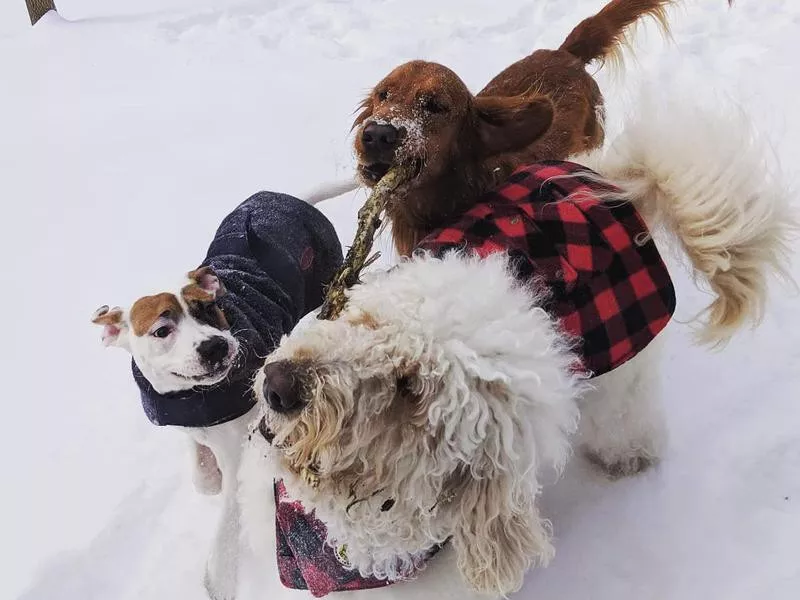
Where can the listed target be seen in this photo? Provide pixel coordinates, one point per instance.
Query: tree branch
(369, 219)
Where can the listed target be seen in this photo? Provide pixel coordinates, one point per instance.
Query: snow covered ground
(126, 135)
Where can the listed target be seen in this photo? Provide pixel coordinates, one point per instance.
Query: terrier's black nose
(213, 350)
(282, 386)
(380, 139)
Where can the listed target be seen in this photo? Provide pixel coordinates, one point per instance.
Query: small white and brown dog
(426, 414)
(196, 348)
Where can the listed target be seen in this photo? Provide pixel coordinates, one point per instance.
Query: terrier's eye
(162, 332)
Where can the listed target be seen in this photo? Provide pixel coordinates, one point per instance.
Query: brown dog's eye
(383, 95)
(432, 105)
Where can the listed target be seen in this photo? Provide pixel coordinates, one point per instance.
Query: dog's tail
(603, 35)
(329, 190)
(704, 176)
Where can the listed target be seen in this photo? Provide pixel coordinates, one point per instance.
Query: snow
(129, 129)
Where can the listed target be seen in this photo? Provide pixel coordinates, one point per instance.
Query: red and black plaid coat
(610, 287)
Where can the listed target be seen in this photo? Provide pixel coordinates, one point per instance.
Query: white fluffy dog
(428, 412)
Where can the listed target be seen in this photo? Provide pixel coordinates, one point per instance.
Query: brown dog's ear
(365, 108)
(207, 280)
(509, 124)
(115, 329)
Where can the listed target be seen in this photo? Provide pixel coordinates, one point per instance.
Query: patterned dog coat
(610, 287)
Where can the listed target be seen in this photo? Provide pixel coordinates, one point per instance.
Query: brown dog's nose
(282, 387)
(380, 138)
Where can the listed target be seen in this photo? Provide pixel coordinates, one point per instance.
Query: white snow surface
(128, 130)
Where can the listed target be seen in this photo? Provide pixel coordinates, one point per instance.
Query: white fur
(706, 177)
(440, 580)
(623, 429)
(491, 373)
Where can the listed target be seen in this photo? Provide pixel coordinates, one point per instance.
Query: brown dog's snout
(380, 140)
(282, 389)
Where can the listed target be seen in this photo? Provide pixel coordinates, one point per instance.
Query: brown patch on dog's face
(203, 307)
(146, 311)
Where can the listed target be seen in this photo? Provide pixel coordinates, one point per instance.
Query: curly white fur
(451, 408)
(705, 175)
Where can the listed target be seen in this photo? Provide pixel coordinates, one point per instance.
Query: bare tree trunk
(38, 8)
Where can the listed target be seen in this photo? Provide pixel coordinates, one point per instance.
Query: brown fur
(545, 106)
(365, 319)
(194, 293)
(202, 306)
(146, 311)
(106, 316)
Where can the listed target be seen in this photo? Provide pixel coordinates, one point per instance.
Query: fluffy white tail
(330, 190)
(708, 179)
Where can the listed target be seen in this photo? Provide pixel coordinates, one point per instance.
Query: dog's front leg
(622, 426)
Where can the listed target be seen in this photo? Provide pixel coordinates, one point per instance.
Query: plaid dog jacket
(610, 287)
(307, 562)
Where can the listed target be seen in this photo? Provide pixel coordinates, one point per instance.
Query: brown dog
(545, 106)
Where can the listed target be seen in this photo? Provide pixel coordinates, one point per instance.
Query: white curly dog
(446, 400)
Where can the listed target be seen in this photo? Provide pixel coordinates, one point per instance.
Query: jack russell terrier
(196, 348)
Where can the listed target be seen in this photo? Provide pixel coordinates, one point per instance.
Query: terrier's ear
(115, 329)
(207, 280)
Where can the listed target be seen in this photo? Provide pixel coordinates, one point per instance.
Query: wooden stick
(369, 219)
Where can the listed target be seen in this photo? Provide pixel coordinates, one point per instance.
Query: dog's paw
(218, 588)
(626, 465)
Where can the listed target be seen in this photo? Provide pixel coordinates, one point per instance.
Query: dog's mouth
(213, 375)
(265, 431)
(309, 474)
(372, 173)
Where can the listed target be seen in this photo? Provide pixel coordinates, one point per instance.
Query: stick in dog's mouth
(369, 220)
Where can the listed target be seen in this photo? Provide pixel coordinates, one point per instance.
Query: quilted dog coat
(274, 254)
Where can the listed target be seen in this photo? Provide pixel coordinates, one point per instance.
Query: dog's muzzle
(282, 387)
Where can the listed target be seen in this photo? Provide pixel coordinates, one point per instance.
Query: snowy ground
(128, 133)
